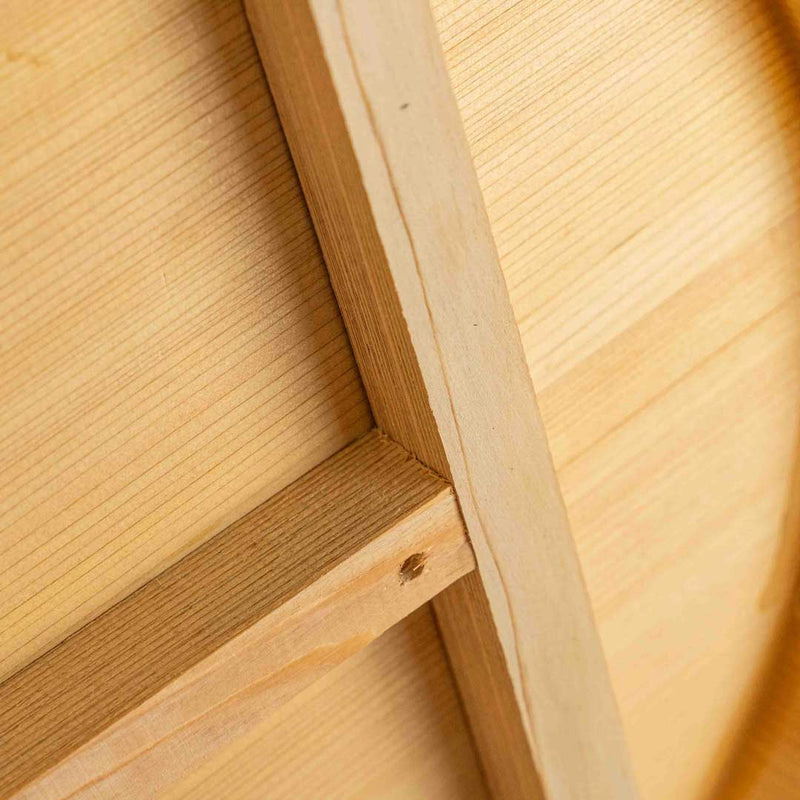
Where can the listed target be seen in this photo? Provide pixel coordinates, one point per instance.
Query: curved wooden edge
(764, 762)
(203, 652)
(365, 101)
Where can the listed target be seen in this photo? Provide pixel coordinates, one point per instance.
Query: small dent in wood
(412, 567)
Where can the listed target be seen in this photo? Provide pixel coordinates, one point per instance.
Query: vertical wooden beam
(366, 104)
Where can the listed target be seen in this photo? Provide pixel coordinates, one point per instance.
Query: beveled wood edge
(222, 638)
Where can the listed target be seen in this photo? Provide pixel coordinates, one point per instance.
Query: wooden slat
(199, 654)
(476, 656)
(385, 724)
(170, 349)
(364, 98)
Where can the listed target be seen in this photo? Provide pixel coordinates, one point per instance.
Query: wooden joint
(235, 629)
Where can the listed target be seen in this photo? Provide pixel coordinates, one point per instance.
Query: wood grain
(235, 628)
(171, 351)
(367, 108)
(639, 164)
(385, 724)
(764, 762)
(765, 767)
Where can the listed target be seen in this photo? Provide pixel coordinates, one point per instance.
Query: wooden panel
(233, 630)
(639, 161)
(365, 100)
(170, 349)
(386, 724)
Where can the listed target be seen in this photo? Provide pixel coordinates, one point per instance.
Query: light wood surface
(214, 644)
(477, 660)
(171, 353)
(386, 724)
(368, 112)
(639, 163)
(764, 763)
(172, 356)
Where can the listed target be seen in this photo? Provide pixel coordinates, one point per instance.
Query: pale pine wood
(464, 618)
(639, 164)
(644, 201)
(201, 653)
(170, 350)
(764, 763)
(385, 724)
(366, 104)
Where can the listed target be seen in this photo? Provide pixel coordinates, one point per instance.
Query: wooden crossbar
(222, 638)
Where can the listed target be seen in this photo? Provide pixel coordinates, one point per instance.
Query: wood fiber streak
(222, 588)
(171, 351)
(390, 714)
(639, 163)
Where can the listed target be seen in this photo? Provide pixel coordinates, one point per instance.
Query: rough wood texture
(262, 609)
(170, 350)
(365, 101)
(639, 163)
(385, 724)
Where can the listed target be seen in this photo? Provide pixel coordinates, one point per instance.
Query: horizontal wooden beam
(215, 643)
